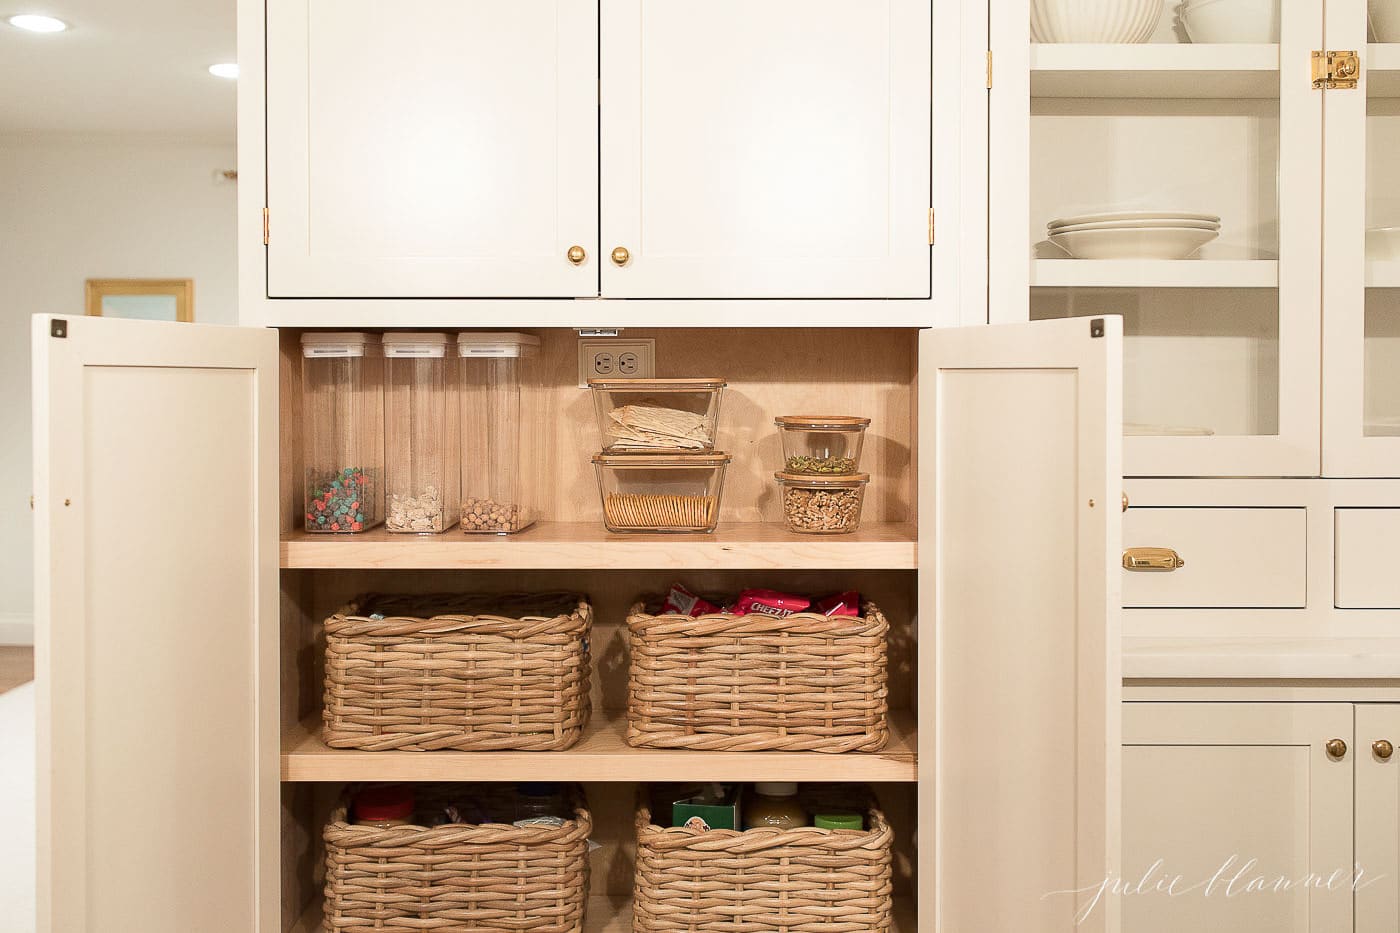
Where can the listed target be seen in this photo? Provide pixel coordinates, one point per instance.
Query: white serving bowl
(1383, 244)
(1156, 243)
(1385, 20)
(1255, 21)
(1094, 20)
(1138, 225)
(1113, 216)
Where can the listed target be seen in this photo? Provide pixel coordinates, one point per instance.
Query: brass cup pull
(620, 256)
(577, 254)
(1383, 749)
(1336, 749)
(1152, 560)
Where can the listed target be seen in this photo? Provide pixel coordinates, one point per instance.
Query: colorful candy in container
(342, 377)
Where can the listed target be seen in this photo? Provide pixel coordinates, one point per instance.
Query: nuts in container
(821, 445)
(822, 505)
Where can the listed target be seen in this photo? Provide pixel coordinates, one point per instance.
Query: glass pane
(1155, 195)
(1381, 416)
(140, 307)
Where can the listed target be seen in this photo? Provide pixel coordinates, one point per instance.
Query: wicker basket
(457, 877)
(472, 673)
(756, 683)
(763, 880)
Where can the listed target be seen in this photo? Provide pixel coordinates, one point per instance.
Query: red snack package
(682, 601)
(841, 604)
(769, 603)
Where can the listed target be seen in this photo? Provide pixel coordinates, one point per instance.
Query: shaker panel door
(156, 600)
(777, 149)
(1019, 642)
(1378, 817)
(432, 149)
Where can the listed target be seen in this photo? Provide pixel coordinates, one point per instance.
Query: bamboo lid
(820, 422)
(707, 458)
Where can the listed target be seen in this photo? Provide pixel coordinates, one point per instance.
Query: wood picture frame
(180, 290)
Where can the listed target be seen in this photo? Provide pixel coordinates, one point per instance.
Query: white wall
(78, 208)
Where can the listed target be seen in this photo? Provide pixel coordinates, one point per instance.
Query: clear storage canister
(342, 385)
(500, 385)
(420, 441)
(663, 492)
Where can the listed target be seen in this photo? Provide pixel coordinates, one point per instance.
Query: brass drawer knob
(1336, 749)
(1152, 560)
(1383, 749)
(620, 256)
(577, 254)
(1125, 502)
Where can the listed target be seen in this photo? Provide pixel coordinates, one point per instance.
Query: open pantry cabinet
(1221, 345)
(183, 779)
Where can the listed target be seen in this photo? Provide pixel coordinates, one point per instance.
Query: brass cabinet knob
(1152, 560)
(1125, 502)
(620, 256)
(1383, 749)
(1336, 749)
(577, 254)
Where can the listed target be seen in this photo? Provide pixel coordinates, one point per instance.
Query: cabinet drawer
(1252, 558)
(1365, 558)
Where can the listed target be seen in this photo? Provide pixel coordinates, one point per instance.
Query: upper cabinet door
(155, 470)
(1361, 326)
(1168, 168)
(1020, 460)
(433, 148)
(765, 150)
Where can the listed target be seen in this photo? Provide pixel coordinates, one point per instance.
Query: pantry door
(765, 150)
(1019, 512)
(432, 149)
(1378, 817)
(155, 520)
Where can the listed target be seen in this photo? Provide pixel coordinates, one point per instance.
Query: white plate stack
(1134, 234)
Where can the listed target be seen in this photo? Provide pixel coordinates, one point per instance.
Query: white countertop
(1261, 658)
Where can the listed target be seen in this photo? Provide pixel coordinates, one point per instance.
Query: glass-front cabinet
(1361, 325)
(1177, 162)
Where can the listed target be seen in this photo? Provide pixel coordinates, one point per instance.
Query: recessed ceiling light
(36, 23)
(226, 70)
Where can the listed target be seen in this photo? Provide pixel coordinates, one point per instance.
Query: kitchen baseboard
(16, 628)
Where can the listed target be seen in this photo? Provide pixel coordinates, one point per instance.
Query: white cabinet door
(1237, 818)
(766, 150)
(433, 148)
(156, 663)
(1019, 639)
(1378, 818)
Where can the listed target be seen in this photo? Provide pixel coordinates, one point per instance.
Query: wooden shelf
(1383, 274)
(601, 755)
(587, 546)
(1155, 70)
(613, 914)
(1383, 70)
(1155, 273)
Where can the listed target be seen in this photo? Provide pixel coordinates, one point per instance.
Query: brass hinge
(1335, 70)
(989, 69)
(265, 226)
(930, 226)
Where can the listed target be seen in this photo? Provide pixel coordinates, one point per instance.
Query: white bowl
(1108, 216)
(1209, 21)
(1159, 243)
(1094, 20)
(1138, 225)
(1385, 20)
(1383, 244)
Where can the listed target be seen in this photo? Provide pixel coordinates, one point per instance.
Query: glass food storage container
(822, 505)
(342, 386)
(420, 440)
(821, 445)
(500, 386)
(660, 492)
(657, 414)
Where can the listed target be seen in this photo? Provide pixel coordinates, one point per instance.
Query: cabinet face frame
(1378, 818)
(1346, 449)
(959, 259)
(1294, 451)
(1299, 725)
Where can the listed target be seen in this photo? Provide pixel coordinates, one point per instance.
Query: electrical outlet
(615, 357)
